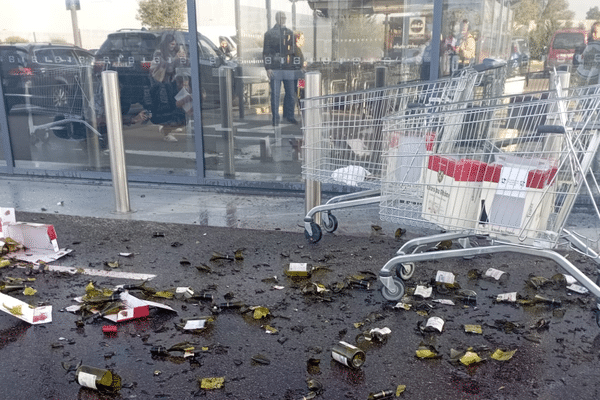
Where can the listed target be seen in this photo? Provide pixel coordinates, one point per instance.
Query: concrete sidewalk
(176, 204)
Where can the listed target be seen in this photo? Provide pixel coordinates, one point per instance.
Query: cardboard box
(407, 156)
(40, 240)
(517, 197)
(452, 191)
(23, 311)
(134, 308)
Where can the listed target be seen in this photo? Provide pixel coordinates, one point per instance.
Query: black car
(43, 75)
(130, 53)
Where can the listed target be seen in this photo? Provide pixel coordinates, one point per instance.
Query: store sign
(417, 27)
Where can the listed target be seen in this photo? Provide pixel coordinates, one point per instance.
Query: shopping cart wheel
(316, 233)
(395, 293)
(330, 223)
(405, 271)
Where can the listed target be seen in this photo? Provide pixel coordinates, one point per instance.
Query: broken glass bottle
(350, 356)
(384, 394)
(99, 379)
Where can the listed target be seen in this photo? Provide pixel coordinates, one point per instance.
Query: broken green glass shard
(501, 355)
(212, 383)
(469, 358)
(473, 329)
(260, 312)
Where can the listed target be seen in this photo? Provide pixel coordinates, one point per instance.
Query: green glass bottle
(99, 379)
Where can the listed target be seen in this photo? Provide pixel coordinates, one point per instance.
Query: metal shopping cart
(508, 172)
(66, 94)
(349, 143)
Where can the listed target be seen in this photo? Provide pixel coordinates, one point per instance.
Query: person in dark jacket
(588, 65)
(282, 65)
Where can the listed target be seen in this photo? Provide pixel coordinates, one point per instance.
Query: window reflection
(55, 104)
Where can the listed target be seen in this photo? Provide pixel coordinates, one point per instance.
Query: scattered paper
(445, 277)
(404, 306)
(577, 289)
(494, 273)
(436, 323)
(423, 291)
(195, 324)
(444, 301)
(508, 297)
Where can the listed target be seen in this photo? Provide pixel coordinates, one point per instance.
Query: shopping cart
(66, 94)
(349, 143)
(509, 172)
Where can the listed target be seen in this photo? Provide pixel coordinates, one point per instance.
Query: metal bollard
(311, 137)
(114, 126)
(225, 91)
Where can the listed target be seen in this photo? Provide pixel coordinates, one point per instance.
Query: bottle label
(494, 273)
(87, 380)
(340, 358)
(510, 297)
(436, 323)
(444, 277)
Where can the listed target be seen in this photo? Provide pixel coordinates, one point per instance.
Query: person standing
(467, 45)
(282, 65)
(166, 60)
(588, 61)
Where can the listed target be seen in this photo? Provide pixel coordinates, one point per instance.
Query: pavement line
(99, 272)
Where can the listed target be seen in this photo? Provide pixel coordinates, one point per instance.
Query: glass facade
(227, 111)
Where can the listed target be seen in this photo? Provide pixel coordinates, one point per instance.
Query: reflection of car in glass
(130, 53)
(563, 44)
(45, 75)
(518, 62)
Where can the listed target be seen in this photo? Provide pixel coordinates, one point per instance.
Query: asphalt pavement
(189, 237)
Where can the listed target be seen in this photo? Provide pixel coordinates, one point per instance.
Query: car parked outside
(520, 56)
(562, 47)
(45, 75)
(130, 53)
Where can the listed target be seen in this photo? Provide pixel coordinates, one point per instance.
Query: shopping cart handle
(542, 129)
(489, 63)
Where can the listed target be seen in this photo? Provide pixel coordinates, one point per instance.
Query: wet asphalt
(557, 346)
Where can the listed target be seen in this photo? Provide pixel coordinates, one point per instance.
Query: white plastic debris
(351, 175)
